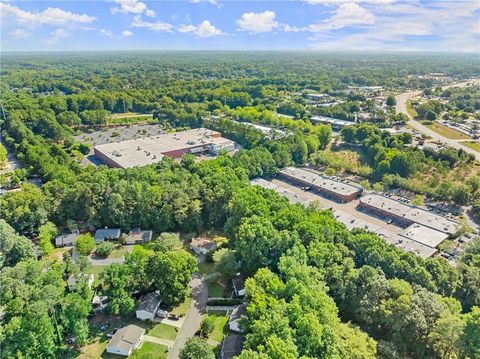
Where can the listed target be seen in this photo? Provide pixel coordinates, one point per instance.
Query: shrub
(85, 244)
(104, 249)
(206, 327)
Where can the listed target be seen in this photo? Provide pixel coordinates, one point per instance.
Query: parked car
(173, 317)
(162, 313)
(104, 326)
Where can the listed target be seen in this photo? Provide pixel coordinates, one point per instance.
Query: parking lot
(346, 211)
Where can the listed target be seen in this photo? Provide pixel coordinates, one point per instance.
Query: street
(194, 316)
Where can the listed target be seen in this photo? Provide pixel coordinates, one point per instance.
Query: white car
(162, 313)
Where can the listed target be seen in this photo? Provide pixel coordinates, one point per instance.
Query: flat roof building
(406, 214)
(424, 235)
(148, 150)
(336, 123)
(290, 195)
(330, 188)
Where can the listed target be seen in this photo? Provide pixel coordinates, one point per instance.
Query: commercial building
(339, 190)
(148, 150)
(336, 123)
(126, 340)
(285, 192)
(406, 215)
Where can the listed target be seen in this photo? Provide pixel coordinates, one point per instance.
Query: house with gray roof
(66, 240)
(106, 234)
(148, 306)
(126, 340)
(138, 236)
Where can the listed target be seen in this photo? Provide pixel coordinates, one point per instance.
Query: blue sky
(368, 25)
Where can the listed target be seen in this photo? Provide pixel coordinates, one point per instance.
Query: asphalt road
(193, 318)
(401, 107)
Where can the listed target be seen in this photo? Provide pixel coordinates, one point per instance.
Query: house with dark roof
(66, 240)
(137, 236)
(126, 340)
(107, 234)
(232, 346)
(235, 317)
(238, 283)
(148, 306)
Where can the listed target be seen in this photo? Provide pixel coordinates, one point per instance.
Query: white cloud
(49, 16)
(132, 7)
(20, 33)
(57, 35)
(257, 22)
(348, 14)
(106, 32)
(337, 2)
(127, 33)
(154, 26)
(442, 26)
(205, 29)
(213, 2)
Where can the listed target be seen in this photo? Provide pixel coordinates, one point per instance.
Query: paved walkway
(166, 342)
(193, 317)
(173, 323)
(225, 308)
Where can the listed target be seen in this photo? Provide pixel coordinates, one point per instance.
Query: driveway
(194, 316)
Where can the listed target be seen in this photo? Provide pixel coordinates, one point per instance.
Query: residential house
(126, 340)
(239, 285)
(234, 319)
(232, 346)
(202, 245)
(66, 240)
(106, 234)
(137, 236)
(148, 306)
(73, 280)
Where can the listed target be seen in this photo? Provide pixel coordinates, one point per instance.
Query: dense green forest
(316, 290)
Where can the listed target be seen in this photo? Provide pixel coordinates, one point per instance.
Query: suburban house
(137, 236)
(73, 280)
(234, 319)
(66, 240)
(202, 245)
(126, 340)
(231, 346)
(238, 283)
(148, 306)
(106, 234)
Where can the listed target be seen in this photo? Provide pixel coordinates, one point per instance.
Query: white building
(148, 306)
(126, 340)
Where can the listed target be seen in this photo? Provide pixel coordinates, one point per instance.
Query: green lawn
(220, 322)
(97, 270)
(182, 308)
(150, 350)
(206, 268)
(473, 145)
(215, 289)
(118, 252)
(164, 331)
(447, 132)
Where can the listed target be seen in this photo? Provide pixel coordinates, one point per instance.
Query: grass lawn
(473, 145)
(220, 322)
(164, 331)
(215, 288)
(182, 308)
(206, 268)
(57, 254)
(97, 270)
(93, 351)
(150, 350)
(447, 132)
(118, 252)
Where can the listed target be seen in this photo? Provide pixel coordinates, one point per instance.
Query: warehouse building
(147, 150)
(338, 190)
(406, 215)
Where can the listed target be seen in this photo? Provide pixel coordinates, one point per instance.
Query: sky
(332, 25)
